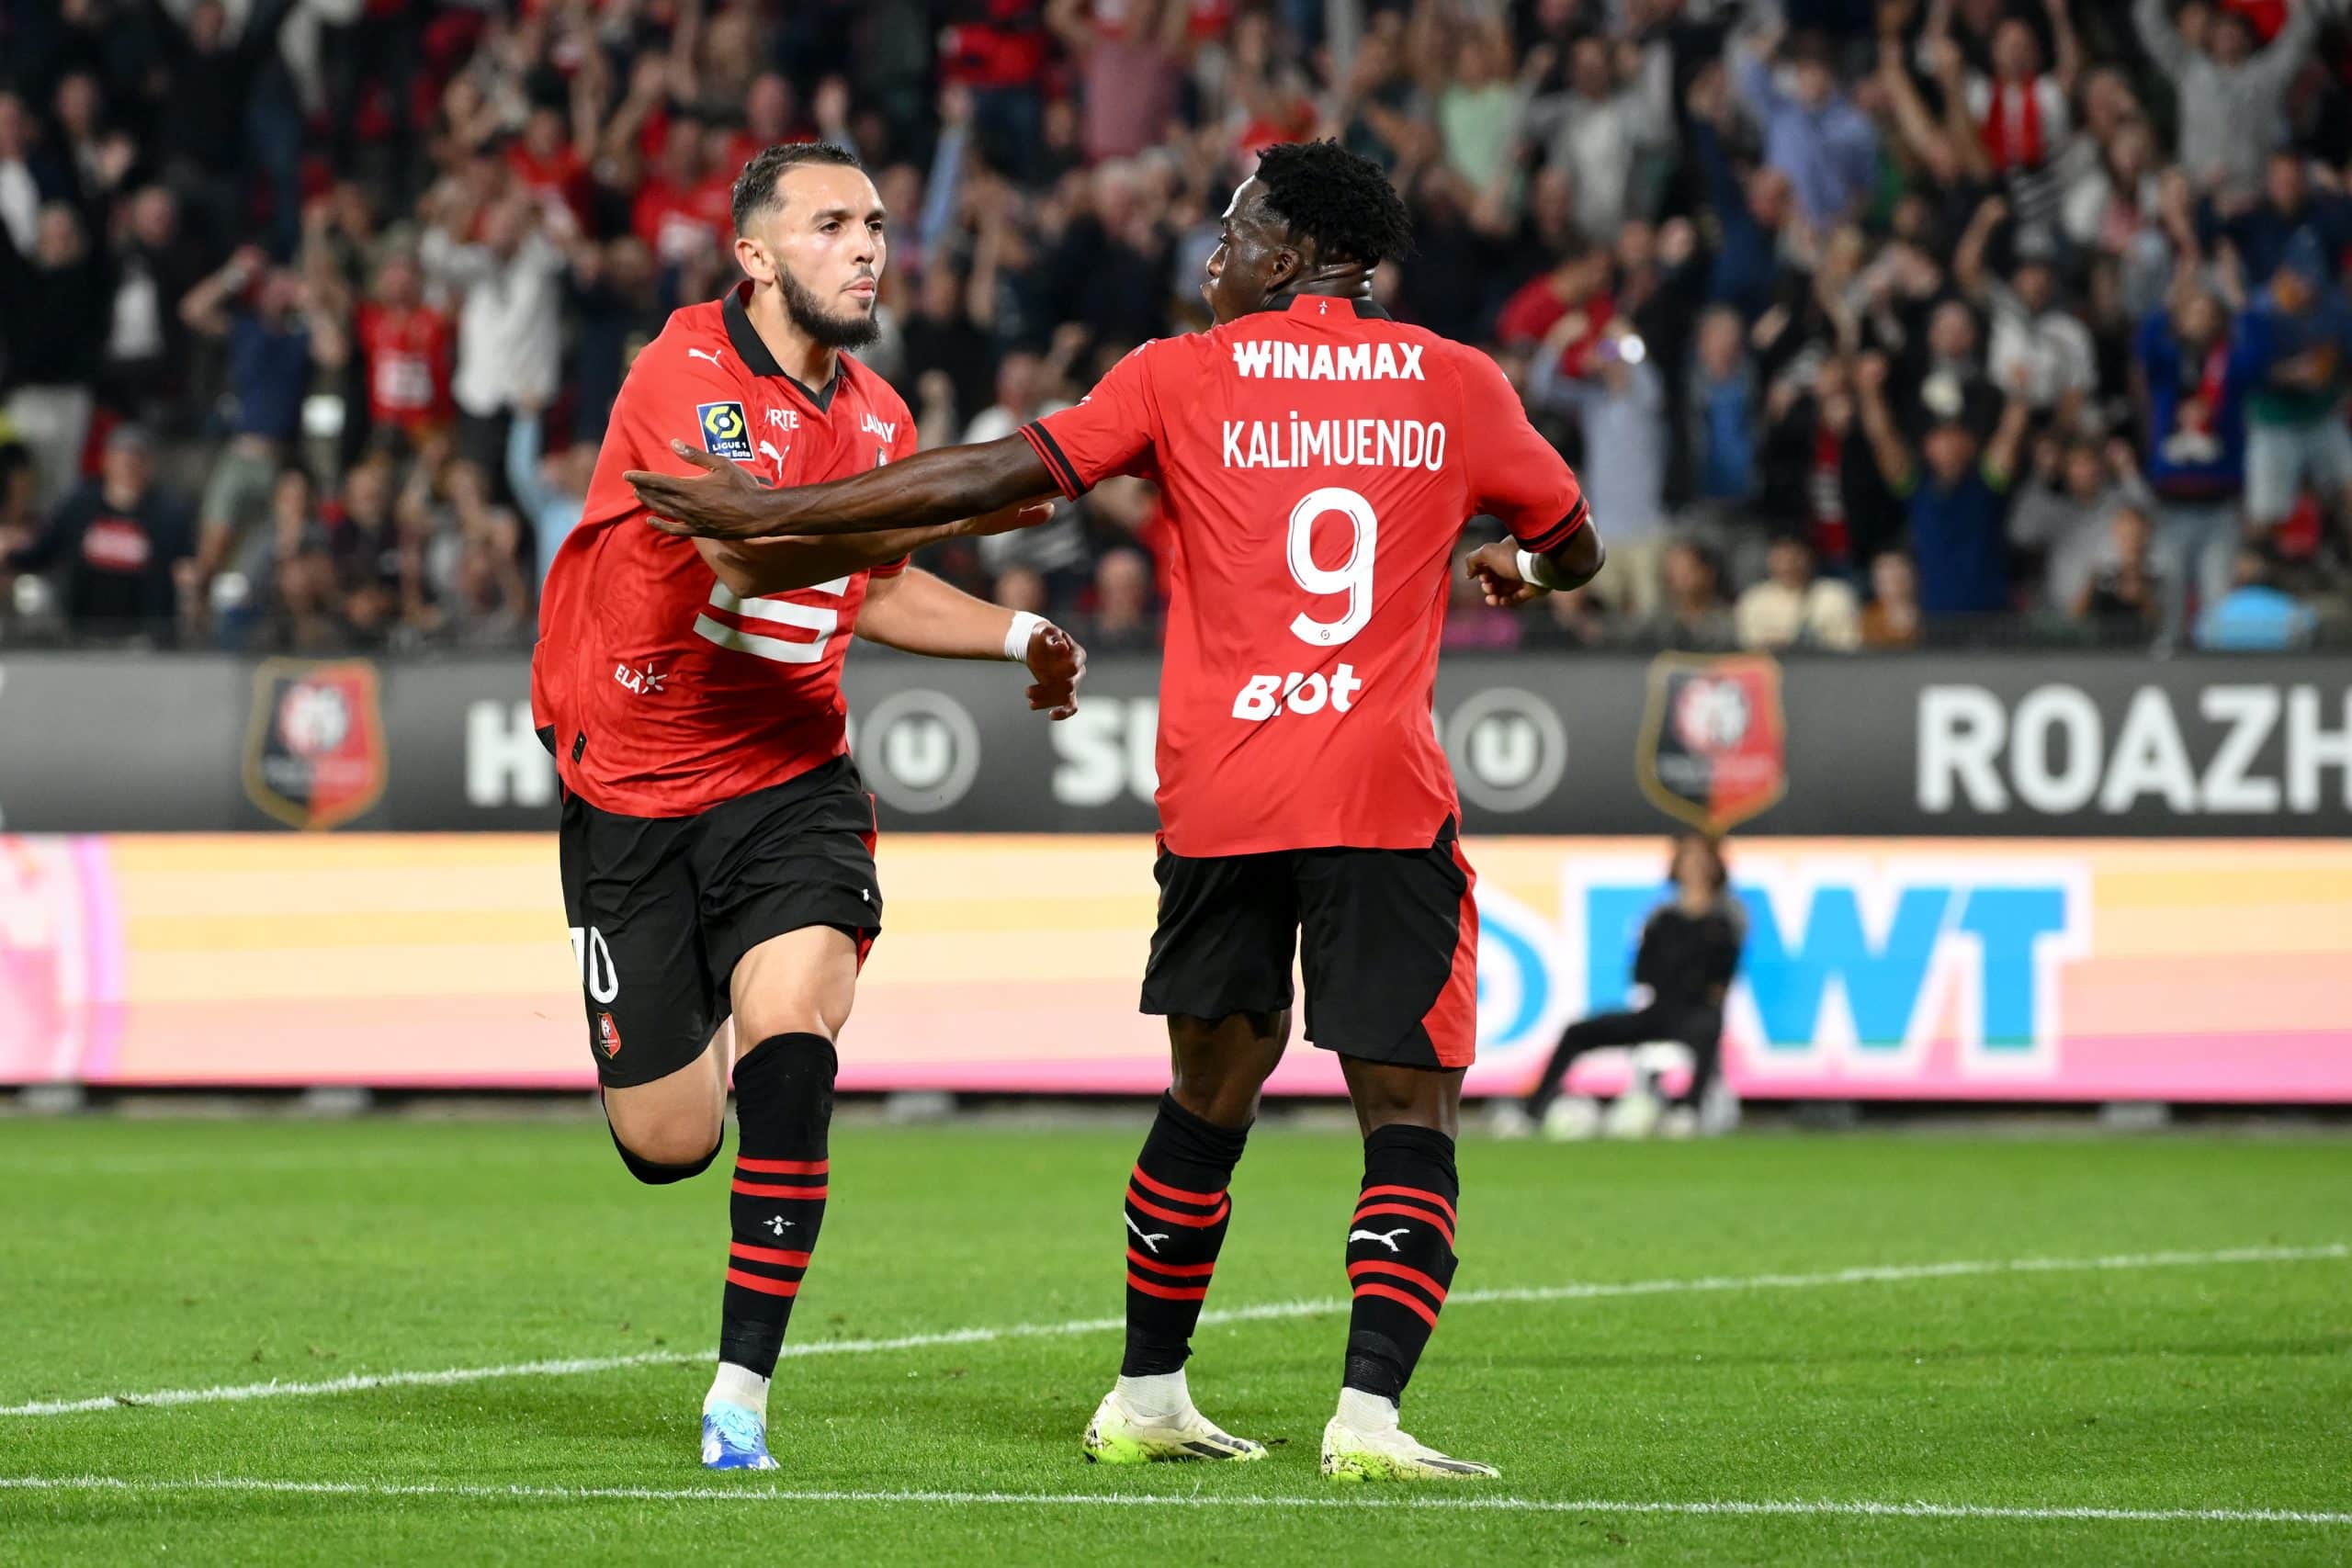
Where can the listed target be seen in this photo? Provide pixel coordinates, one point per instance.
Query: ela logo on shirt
(725, 432)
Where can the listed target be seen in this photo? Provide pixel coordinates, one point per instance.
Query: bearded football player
(1317, 462)
(716, 844)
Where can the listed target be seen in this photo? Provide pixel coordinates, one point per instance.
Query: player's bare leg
(791, 994)
(1401, 1264)
(1177, 1210)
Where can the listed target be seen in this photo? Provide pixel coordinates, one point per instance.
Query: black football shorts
(1386, 941)
(661, 908)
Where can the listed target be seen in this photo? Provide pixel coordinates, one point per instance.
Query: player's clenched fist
(1059, 664)
(1496, 567)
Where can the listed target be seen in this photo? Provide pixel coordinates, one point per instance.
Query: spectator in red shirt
(683, 209)
(407, 347)
(546, 163)
(1578, 286)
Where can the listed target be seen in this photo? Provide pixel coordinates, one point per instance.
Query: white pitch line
(1735, 1508)
(360, 1383)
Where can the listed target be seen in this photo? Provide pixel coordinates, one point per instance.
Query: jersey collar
(752, 349)
(1294, 305)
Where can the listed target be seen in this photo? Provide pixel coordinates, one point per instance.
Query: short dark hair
(1342, 202)
(756, 186)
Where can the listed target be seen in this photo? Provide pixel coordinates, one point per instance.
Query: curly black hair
(756, 186)
(1340, 202)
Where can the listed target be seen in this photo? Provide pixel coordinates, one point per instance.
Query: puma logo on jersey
(1386, 1239)
(1151, 1243)
(767, 450)
(1277, 361)
(706, 353)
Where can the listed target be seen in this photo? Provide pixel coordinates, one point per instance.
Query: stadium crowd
(1865, 325)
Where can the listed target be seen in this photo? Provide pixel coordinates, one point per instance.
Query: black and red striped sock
(1401, 1254)
(784, 1105)
(1177, 1210)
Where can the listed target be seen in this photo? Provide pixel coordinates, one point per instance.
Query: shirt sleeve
(1513, 473)
(1113, 430)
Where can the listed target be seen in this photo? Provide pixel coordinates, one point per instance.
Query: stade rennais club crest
(314, 746)
(1713, 750)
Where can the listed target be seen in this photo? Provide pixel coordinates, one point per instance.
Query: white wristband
(1016, 637)
(1534, 569)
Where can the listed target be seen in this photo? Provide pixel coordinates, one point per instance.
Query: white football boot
(1153, 1421)
(1363, 1442)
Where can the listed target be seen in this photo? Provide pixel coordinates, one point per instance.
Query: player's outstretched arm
(1504, 576)
(917, 613)
(754, 566)
(946, 485)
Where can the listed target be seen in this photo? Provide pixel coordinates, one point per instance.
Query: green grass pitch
(1792, 1343)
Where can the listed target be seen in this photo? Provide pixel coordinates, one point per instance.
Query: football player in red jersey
(1317, 462)
(718, 845)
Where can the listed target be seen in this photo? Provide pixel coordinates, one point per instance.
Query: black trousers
(1700, 1028)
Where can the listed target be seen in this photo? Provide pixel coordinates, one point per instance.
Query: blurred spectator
(1125, 619)
(1569, 621)
(2232, 97)
(2121, 603)
(616, 309)
(273, 330)
(1724, 408)
(2299, 342)
(2066, 513)
(1958, 493)
(406, 344)
(2254, 616)
(1616, 111)
(53, 298)
(1793, 608)
(364, 540)
(297, 606)
(1619, 403)
(144, 367)
(509, 326)
(2260, 231)
(1692, 616)
(2035, 337)
(1054, 550)
(114, 545)
(2196, 372)
(1813, 136)
(1892, 618)
(551, 488)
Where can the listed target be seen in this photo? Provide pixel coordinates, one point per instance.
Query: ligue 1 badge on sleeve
(316, 756)
(1713, 749)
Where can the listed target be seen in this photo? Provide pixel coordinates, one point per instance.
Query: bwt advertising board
(2018, 970)
(2065, 746)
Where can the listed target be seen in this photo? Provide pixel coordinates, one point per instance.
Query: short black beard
(830, 331)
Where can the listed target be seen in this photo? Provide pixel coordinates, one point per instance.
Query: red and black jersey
(1316, 464)
(666, 692)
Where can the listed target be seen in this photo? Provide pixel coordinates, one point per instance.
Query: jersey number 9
(1355, 579)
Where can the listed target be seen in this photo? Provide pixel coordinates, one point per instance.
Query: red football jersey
(408, 366)
(1316, 465)
(668, 693)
